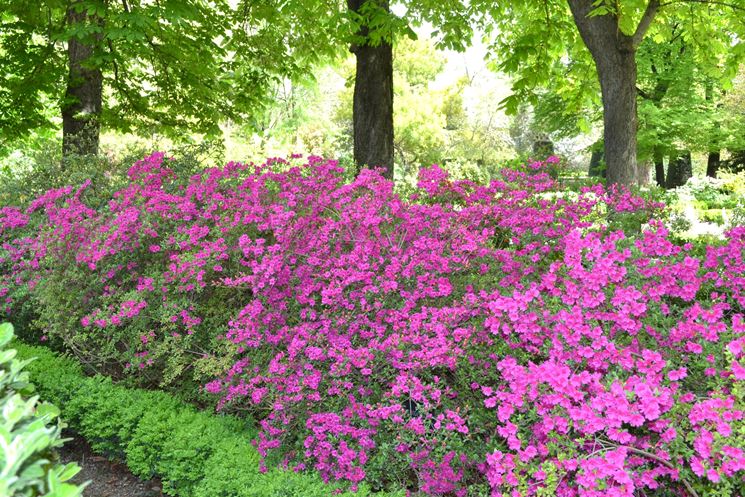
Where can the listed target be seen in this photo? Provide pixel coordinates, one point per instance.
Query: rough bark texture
(713, 163)
(614, 54)
(81, 109)
(373, 100)
(618, 86)
(659, 167)
(642, 172)
(679, 170)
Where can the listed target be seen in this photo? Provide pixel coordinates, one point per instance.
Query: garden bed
(458, 339)
(104, 478)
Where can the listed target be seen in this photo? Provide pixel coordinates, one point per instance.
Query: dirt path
(107, 479)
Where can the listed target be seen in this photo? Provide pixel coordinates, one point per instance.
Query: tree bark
(715, 158)
(679, 170)
(713, 163)
(597, 168)
(642, 172)
(618, 86)
(373, 100)
(659, 167)
(81, 109)
(614, 54)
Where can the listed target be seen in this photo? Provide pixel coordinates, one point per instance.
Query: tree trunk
(81, 108)
(597, 168)
(642, 172)
(715, 158)
(618, 86)
(373, 100)
(679, 170)
(659, 167)
(712, 164)
(614, 54)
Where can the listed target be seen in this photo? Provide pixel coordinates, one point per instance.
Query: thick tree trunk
(679, 170)
(614, 54)
(617, 74)
(642, 172)
(659, 167)
(373, 100)
(713, 163)
(81, 108)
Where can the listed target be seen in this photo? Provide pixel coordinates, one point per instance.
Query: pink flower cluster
(467, 335)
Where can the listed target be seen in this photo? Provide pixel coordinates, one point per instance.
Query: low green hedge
(194, 453)
(29, 434)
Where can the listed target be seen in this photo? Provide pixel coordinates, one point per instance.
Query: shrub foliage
(507, 339)
(28, 435)
(195, 454)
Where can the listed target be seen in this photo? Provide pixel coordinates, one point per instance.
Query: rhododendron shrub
(466, 340)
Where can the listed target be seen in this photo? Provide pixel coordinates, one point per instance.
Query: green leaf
(6, 333)
(68, 471)
(7, 355)
(45, 409)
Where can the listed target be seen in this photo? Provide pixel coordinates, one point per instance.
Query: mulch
(107, 478)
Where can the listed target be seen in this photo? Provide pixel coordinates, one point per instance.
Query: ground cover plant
(460, 340)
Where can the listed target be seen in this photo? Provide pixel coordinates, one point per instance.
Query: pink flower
(677, 374)
(469, 334)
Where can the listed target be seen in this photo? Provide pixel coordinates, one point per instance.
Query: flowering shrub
(709, 206)
(467, 340)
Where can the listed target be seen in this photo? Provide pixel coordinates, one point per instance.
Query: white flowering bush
(708, 207)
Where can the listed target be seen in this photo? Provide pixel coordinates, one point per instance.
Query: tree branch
(654, 457)
(649, 13)
(710, 2)
(643, 94)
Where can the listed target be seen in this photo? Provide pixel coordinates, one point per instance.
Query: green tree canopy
(170, 66)
(551, 46)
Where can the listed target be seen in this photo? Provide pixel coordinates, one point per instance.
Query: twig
(649, 14)
(660, 460)
(710, 2)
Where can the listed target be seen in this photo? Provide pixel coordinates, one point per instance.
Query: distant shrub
(506, 338)
(28, 436)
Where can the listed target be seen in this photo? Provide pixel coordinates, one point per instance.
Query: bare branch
(649, 455)
(649, 13)
(643, 94)
(730, 5)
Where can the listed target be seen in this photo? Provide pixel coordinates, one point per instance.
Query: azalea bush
(463, 339)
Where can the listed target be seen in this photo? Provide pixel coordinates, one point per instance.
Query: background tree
(435, 119)
(419, 119)
(174, 66)
(373, 88)
(534, 35)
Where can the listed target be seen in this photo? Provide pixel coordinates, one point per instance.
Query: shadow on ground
(107, 478)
